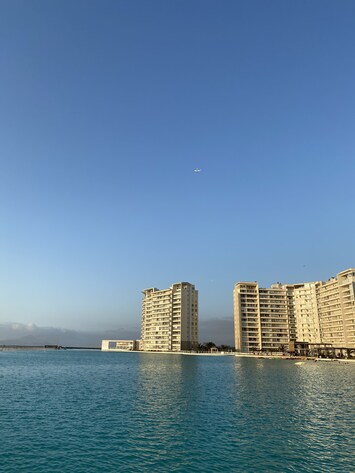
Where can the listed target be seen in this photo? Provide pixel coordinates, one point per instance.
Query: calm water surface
(78, 411)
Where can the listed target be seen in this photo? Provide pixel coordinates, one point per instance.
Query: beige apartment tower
(261, 320)
(170, 318)
(268, 319)
(336, 309)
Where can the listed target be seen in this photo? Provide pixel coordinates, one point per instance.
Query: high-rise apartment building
(261, 319)
(306, 313)
(315, 312)
(336, 309)
(170, 318)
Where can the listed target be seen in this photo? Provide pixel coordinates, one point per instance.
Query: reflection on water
(84, 411)
(305, 413)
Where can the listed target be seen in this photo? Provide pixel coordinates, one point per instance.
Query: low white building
(120, 345)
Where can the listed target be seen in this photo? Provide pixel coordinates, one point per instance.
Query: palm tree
(225, 348)
(210, 345)
(201, 347)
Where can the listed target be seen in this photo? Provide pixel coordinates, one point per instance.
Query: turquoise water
(78, 411)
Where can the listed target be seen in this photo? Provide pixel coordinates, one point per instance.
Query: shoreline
(171, 353)
(298, 359)
(293, 358)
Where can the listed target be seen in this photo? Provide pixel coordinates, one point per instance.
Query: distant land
(220, 331)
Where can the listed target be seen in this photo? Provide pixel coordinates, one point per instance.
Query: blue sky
(107, 107)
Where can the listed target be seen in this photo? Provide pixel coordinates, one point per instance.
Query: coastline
(293, 358)
(298, 359)
(171, 353)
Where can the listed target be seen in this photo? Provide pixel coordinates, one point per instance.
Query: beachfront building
(261, 319)
(336, 309)
(120, 345)
(306, 312)
(269, 319)
(170, 318)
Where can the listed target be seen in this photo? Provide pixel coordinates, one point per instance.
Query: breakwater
(43, 347)
(29, 347)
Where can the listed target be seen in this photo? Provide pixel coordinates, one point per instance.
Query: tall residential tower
(170, 318)
(316, 312)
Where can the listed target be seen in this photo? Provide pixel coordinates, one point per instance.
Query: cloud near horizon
(220, 331)
(31, 334)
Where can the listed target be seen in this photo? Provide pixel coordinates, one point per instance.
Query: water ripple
(116, 412)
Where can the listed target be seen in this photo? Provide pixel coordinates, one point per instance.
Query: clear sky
(106, 109)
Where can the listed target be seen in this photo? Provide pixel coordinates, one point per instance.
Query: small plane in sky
(197, 170)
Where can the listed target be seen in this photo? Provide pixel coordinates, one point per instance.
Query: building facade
(306, 313)
(261, 320)
(170, 318)
(120, 345)
(336, 308)
(268, 319)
